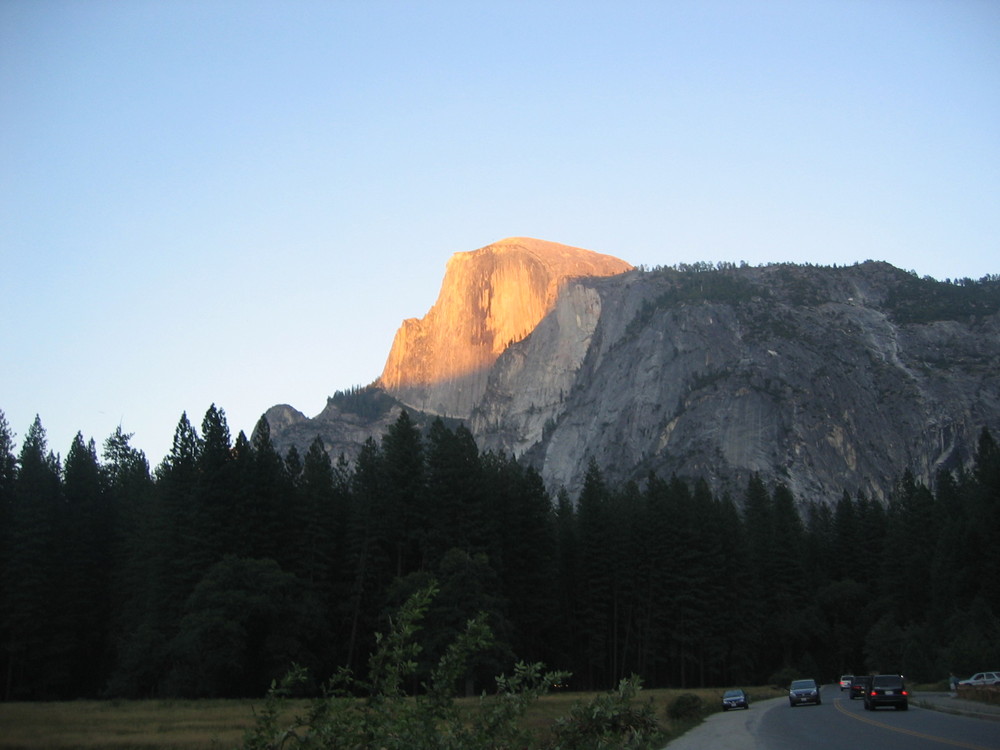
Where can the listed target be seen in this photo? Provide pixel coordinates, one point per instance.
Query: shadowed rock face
(490, 298)
(825, 379)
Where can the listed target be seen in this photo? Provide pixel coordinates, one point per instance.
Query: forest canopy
(216, 572)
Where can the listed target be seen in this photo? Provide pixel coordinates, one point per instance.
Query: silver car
(982, 678)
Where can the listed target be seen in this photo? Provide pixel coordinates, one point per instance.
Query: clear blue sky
(239, 202)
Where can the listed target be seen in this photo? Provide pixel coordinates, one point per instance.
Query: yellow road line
(839, 705)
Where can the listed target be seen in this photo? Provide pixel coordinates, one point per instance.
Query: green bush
(685, 707)
(611, 720)
(390, 719)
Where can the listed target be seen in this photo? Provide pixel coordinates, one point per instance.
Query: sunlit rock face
(490, 298)
(826, 379)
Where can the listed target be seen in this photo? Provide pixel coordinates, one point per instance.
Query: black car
(860, 685)
(735, 699)
(803, 691)
(887, 690)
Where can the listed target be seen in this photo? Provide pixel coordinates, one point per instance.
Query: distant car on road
(859, 686)
(982, 678)
(803, 691)
(735, 698)
(846, 680)
(887, 690)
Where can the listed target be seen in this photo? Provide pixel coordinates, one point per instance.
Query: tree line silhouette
(215, 573)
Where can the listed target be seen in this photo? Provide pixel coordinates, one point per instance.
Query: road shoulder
(726, 730)
(946, 703)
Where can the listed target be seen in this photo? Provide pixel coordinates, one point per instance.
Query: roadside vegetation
(525, 710)
(224, 723)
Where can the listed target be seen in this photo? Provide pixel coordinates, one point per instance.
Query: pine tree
(274, 502)
(175, 563)
(593, 522)
(986, 510)
(914, 521)
(758, 619)
(521, 550)
(130, 491)
(404, 514)
(36, 649)
(786, 576)
(217, 502)
(87, 528)
(567, 646)
(320, 521)
(734, 586)
(455, 488)
(369, 558)
(8, 473)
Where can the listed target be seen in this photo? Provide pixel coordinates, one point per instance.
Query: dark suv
(860, 686)
(887, 690)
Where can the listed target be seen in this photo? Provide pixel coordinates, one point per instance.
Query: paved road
(839, 723)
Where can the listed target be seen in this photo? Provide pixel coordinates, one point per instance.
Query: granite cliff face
(826, 379)
(490, 298)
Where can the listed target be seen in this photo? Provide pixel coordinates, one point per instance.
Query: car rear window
(887, 681)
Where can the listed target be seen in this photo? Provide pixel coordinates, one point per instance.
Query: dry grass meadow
(216, 724)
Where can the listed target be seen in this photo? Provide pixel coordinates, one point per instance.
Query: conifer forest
(228, 564)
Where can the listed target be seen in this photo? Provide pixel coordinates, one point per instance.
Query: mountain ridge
(827, 379)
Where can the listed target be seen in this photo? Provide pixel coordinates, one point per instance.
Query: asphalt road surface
(836, 724)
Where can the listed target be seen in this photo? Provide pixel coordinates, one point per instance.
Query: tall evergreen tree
(87, 529)
(175, 563)
(734, 584)
(37, 649)
(130, 491)
(320, 521)
(986, 510)
(521, 551)
(454, 493)
(655, 543)
(757, 521)
(593, 522)
(321, 542)
(568, 638)
(8, 471)
(404, 515)
(369, 550)
(275, 504)
(913, 528)
(787, 576)
(217, 502)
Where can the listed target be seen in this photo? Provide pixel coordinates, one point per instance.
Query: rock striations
(490, 298)
(826, 379)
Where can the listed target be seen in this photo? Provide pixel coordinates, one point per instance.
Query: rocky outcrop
(490, 298)
(826, 379)
(807, 376)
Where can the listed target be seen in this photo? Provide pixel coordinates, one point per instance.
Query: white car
(982, 678)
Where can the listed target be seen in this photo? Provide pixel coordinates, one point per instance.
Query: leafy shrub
(388, 718)
(685, 707)
(611, 720)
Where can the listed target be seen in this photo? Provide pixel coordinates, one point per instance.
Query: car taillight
(905, 693)
(872, 693)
